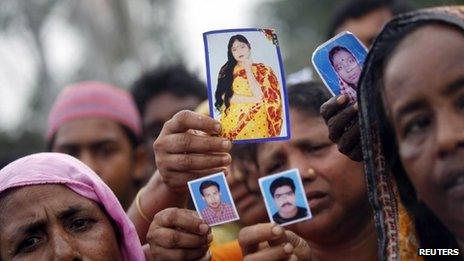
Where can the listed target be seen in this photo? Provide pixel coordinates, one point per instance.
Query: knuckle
(181, 116)
(173, 239)
(185, 162)
(185, 142)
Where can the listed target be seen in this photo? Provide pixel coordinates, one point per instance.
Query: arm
(181, 155)
(236, 98)
(254, 85)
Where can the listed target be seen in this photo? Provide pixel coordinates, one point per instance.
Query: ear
(142, 165)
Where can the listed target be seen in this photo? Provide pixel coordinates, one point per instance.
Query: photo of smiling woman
(348, 70)
(247, 95)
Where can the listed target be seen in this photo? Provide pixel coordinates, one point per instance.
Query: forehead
(342, 54)
(89, 130)
(162, 107)
(237, 43)
(45, 201)
(210, 189)
(303, 127)
(424, 59)
(283, 189)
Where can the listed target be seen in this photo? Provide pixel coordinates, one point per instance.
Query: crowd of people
(383, 177)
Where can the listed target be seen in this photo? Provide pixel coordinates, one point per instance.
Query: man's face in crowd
(158, 110)
(367, 27)
(338, 191)
(212, 196)
(102, 145)
(284, 198)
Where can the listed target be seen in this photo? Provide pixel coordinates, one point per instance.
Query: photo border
(331, 40)
(266, 203)
(192, 194)
(282, 75)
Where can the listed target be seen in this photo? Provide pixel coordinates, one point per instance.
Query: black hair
(280, 182)
(354, 9)
(307, 97)
(431, 231)
(207, 184)
(226, 75)
(175, 79)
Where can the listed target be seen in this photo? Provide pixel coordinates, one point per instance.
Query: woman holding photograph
(348, 70)
(247, 95)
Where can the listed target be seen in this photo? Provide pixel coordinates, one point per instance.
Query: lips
(316, 199)
(453, 182)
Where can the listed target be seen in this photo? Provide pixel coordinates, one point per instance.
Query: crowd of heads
(405, 193)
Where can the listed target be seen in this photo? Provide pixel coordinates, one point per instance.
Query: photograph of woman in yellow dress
(248, 95)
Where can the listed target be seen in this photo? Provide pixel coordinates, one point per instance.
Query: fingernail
(288, 248)
(277, 230)
(341, 99)
(209, 238)
(203, 228)
(226, 144)
(355, 106)
(226, 159)
(217, 127)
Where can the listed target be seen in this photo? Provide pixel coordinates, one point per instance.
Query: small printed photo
(246, 84)
(212, 199)
(285, 197)
(339, 62)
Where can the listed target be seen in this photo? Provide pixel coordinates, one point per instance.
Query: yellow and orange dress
(253, 120)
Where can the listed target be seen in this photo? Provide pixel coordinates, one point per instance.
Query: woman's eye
(416, 125)
(81, 224)
(460, 102)
(314, 149)
(274, 168)
(28, 245)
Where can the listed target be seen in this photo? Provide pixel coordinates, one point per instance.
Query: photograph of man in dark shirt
(283, 192)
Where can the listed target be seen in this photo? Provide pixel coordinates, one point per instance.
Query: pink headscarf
(57, 168)
(94, 99)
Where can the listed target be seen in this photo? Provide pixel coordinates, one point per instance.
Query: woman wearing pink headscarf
(52, 205)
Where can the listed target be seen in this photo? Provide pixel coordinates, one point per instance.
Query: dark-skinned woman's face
(424, 99)
(36, 224)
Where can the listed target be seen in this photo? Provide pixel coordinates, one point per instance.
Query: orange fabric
(226, 252)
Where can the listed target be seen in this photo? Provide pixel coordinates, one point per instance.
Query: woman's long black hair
(226, 75)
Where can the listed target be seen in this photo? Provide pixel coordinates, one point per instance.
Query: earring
(311, 173)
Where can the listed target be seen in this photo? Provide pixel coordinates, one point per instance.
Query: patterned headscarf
(401, 221)
(57, 168)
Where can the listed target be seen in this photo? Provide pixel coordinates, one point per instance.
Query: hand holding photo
(285, 197)
(339, 62)
(212, 199)
(246, 85)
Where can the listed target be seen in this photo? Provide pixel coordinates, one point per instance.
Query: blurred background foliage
(113, 41)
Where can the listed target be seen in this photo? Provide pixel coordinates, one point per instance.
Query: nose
(64, 247)
(450, 133)
(307, 171)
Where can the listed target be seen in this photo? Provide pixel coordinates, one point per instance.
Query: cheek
(100, 243)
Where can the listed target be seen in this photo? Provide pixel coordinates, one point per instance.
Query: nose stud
(311, 173)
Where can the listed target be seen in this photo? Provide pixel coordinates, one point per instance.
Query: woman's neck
(357, 243)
